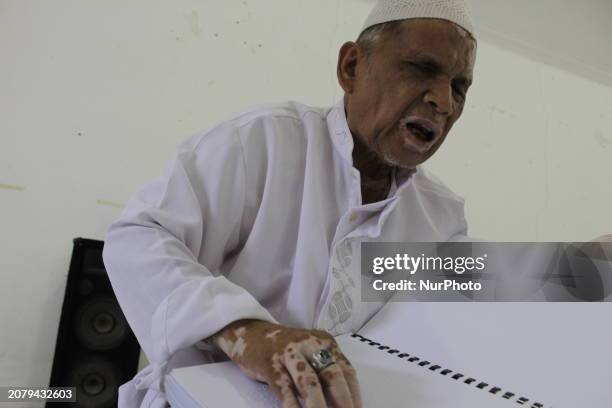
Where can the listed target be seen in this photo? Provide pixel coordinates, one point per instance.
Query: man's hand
(279, 356)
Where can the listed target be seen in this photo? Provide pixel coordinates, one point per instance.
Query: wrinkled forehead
(437, 38)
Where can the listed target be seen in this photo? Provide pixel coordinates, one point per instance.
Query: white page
(389, 381)
(557, 353)
(386, 381)
(217, 385)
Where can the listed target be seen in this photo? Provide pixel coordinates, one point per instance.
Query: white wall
(532, 154)
(95, 95)
(568, 33)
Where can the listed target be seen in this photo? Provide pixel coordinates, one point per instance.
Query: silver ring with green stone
(322, 359)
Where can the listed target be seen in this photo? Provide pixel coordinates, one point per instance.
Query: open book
(459, 355)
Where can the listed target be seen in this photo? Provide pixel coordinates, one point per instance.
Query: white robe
(258, 217)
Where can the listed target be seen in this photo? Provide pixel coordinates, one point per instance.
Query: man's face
(406, 93)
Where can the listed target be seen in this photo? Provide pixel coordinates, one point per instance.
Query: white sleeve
(152, 252)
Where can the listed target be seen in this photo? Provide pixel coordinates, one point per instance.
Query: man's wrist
(227, 332)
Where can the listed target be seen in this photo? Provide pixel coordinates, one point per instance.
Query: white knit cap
(456, 11)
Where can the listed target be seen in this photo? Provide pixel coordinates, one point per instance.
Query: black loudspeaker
(96, 351)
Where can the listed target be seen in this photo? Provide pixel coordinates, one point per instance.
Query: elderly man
(249, 241)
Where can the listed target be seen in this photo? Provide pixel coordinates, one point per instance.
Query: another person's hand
(282, 357)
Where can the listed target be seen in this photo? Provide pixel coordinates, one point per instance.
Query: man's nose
(440, 97)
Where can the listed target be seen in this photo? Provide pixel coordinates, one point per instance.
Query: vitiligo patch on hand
(239, 347)
(273, 334)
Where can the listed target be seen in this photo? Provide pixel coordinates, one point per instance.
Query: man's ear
(349, 56)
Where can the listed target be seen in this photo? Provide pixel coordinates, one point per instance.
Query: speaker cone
(100, 324)
(96, 381)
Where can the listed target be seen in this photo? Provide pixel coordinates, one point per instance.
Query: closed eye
(424, 68)
(460, 86)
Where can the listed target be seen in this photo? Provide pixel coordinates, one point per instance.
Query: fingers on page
(305, 380)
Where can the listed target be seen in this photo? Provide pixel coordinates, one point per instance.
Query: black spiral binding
(455, 376)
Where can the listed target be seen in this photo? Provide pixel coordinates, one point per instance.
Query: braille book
(388, 378)
(455, 355)
(531, 354)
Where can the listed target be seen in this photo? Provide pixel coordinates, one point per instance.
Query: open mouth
(420, 134)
